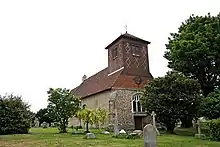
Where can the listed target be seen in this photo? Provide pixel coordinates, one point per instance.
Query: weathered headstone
(153, 114)
(36, 123)
(199, 135)
(122, 131)
(106, 132)
(150, 136)
(90, 135)
(138, 132)
(154, 121)
(44, 125)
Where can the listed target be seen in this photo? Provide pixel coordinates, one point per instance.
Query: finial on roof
(84, 78)
(126, 28)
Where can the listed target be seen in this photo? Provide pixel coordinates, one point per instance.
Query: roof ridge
(95, 74)
(117, 77)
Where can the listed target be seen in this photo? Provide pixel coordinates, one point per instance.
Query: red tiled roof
(96, 83)
(101, 82)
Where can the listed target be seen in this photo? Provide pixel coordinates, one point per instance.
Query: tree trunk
(87, 127)
(63, 127)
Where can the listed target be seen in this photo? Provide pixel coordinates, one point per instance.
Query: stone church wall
(123, 104)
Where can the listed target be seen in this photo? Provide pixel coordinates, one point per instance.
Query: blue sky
(51, 43)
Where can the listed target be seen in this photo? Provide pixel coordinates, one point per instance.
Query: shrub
(214, 129)
(127, 136)
(15, 115)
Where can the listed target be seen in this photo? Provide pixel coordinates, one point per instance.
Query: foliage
(44, 115)
(214, 129)
(15, 116)
(88, 116)
(210, 106)
(195, 50)
(172, 97)
(64, 105)
(127, 136)
(96, 116)
(101, 116)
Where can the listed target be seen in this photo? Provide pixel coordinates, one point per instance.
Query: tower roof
(128, 36)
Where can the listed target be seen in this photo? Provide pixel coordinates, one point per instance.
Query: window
(136, 50)
(114, 53)
(136, 105)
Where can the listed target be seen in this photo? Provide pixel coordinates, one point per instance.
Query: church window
(136, 104)
(114, 53)
(136, 50)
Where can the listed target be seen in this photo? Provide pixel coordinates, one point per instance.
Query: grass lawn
(49, 138)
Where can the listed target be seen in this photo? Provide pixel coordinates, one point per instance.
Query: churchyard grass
(49, 137)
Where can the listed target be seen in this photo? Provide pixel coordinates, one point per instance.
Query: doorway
(138, 122)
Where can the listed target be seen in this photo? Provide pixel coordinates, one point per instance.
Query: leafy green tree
(44, 115)
(15, 115)
(64, 105)
(88, 116)
(210, 106)
(172, 97)
(195, 50)
(102, 115)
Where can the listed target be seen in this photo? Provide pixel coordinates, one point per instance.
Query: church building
(117, 87)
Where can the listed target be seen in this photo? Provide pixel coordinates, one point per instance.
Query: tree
(44, 115)
(64, 105)
(210, 105)
(15, 115)
(88, 116)
(102, 115)
(172, 97)
(195, 50)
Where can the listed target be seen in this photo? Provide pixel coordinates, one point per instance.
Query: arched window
(136, 105)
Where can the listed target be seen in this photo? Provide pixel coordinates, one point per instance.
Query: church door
(138, 122)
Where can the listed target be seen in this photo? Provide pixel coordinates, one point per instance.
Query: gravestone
(122, 131)
(44, 125)
(150, 136)
(153, 114)
(106, 132)
(36, 123)
(90, 135)
(199, 135)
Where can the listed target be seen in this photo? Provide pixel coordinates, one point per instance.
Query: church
(117, 87)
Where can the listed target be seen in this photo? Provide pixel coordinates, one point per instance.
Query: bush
(15, 115)
(127, 136)
(214, 129)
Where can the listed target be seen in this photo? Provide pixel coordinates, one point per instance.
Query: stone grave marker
(36, 123)
(90, 135)
(150, 136)
(153, 114)
(199, 135)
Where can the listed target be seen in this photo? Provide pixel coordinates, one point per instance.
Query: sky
(53, 43)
